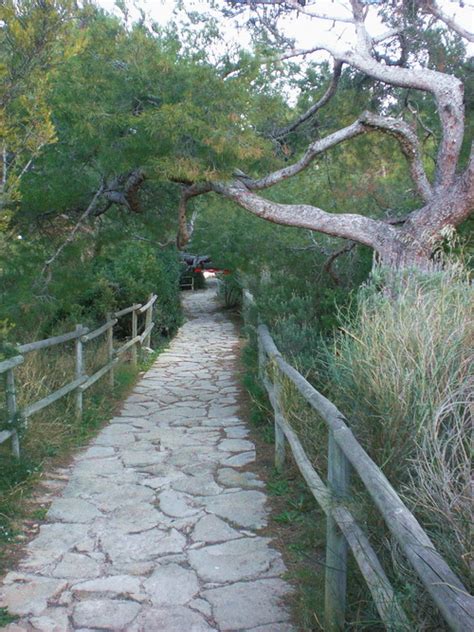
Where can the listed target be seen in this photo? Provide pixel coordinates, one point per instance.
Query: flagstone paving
(157, 526)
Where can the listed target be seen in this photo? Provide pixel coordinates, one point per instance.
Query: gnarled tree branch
(316, 148)
(362, 229)
(431, 6)
(409, 145)
(447, 90)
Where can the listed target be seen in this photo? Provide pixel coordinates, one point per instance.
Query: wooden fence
(346, 455)
(81, 335)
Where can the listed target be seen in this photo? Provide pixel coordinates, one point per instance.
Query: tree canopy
(103, 118)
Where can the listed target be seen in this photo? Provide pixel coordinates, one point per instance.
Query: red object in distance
(214, 270)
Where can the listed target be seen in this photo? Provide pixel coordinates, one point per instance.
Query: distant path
(157, 528)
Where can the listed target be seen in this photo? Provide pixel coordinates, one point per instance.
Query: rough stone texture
(212, 529)
(105, 614)
(245, 558)
(155, 524)
(30, 596)
(72, 510)
(170, 619)
(248, 604)
(171, 584)
(246, 509)
(107, 587)
(76, 566)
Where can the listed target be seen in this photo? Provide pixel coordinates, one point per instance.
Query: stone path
(157, 527)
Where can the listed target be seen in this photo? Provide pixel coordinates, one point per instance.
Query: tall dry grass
(401, 370)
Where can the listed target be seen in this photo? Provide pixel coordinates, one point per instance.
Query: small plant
(6, 617)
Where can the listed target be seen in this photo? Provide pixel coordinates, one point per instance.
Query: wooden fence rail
(81, 335)
(345, 454)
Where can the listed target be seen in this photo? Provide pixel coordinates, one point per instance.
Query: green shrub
(230, 290)
(85, 289)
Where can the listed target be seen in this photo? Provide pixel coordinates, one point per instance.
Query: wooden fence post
(336, 544)
(110, 349)
(279, 434)
(12, 410)
(148, 319)
(134, 335)
(79, 373)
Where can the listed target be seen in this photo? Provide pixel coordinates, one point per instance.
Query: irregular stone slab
(131, 409)
(176, 504)
(72, 510)
(54, 620)
(135, 518)
(197, 485)
(236, 445)
(237, 432)
(196, 456)
(95, 452)
(239, 460)
(77, 566)
(141, 547)
(98, 467)
(87, 486)
(178, 414)
(173, 619)
(30, 596)
(117, 497)
(137, 458)
(246, 605)
(114, 440)
(212, 529)
(52, 542)
(105, 614)
(116, 585)
(221, 421)
(246, 558)
(232, 478)
(171, 584)
(246, 508)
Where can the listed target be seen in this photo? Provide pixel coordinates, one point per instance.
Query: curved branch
(409, 144)
(447, 90)
(310, 154)
(358, 228)
(432, 7)
(327, 96)
(294, 4)
(46, 271)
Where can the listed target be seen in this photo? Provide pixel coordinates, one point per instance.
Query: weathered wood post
(336, 544)
(79, 372)
(148, 319)
(110, 349)
(12, 410)
(279, 434)
(134, 335)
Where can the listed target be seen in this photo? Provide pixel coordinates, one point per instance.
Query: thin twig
(46, 271)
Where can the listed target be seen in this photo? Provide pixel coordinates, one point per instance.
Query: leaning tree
(446, 197)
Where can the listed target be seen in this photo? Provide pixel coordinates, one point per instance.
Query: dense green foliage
(120, 275)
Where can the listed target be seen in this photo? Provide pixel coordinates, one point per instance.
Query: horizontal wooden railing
(81, 335)
(345, 454)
